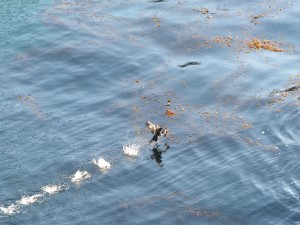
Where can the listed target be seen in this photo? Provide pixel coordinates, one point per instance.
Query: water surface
(79, 79)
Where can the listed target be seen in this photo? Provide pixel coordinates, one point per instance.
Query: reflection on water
(157, 152)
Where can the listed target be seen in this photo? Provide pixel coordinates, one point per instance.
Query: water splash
(80, 176)
(101, 163)
(54, 188)
(15, 207)
(9, 210)
(28, 200)
(131, 149)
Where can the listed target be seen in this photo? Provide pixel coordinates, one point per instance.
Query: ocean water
(79, 79)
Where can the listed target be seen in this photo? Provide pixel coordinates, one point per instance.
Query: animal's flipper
(148, 123)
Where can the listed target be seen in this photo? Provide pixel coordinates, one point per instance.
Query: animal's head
(164, 132)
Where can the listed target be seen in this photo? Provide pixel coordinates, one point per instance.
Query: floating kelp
(156, 20)
(246, 126)
(170, 113)
(193, 120)
(269, 45)
(223, 40)
(202, 10)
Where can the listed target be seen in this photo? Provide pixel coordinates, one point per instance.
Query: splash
(101, 163)
(53, 188)
(28, 200)
(80, 176)
(25, 200)
(9, 210)
(131, 150)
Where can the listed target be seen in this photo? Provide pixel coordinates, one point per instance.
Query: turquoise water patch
(20, 25)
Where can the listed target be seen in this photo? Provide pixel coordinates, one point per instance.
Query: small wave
(9, 210)
(54, 188)
(101, 163)
(28, 200)
(80, 176)
(131, 150)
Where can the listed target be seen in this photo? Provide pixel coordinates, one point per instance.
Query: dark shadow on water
(157, 153)
(156, 1)
(190, 64)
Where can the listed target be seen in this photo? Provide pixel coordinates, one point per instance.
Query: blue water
(79, 79)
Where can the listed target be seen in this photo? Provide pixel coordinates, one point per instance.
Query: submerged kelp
(29, 102)
(176, 203)
(287, 96)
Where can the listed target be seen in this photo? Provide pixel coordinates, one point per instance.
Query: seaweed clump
(269, 45)
(156, 21)
(170, 113)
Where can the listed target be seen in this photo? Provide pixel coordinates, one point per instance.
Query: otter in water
(156, 130)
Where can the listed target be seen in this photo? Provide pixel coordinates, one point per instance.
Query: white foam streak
(80, 176)
(131, 150)
(101, 163)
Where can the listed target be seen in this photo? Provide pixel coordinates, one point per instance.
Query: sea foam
(53, 188)
(28, 200)
(80, 176)
(9, 210)
(15, 207)
(131, 149)
(101, 163)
